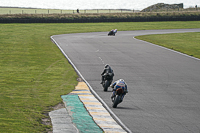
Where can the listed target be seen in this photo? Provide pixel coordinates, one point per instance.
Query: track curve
(163, 84)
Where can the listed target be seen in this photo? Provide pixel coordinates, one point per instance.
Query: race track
(164, 85)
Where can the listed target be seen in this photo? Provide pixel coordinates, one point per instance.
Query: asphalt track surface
(164, 85)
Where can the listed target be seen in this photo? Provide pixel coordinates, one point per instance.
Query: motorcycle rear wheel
(116, 101)
(106, 85)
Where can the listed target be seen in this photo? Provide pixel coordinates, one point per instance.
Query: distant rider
(107, 73)
(114, 31)
(119, 84)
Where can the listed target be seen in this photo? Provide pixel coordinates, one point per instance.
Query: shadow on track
(128, 108)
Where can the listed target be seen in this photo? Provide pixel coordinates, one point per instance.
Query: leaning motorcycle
(111, 33)
(107, 81)
(118, 97)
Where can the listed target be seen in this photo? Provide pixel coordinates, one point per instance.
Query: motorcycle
(107, 81)
(118, 97)
(112, 32)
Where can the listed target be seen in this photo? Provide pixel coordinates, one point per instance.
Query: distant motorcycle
(118, 97)
(107, 81)
(112, 32)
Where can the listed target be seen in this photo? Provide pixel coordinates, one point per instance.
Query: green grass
(27, 13)
(33, 76)
(34, 73)
(188, 43)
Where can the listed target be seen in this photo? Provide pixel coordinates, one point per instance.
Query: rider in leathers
(107, 70)
(119, 84)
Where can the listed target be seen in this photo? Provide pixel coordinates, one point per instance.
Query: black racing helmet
(106, 65)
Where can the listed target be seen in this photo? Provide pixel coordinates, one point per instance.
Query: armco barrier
(99, 19)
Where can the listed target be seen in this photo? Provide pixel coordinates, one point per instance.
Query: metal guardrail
(57, 11)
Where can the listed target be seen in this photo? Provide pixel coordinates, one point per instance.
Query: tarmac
(83, 113)
(163, 83)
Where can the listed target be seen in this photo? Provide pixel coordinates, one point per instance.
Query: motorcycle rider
(119, 84)
(107, 71)
(114, 31)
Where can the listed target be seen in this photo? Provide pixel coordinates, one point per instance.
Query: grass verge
(34, 73)
(7, 10)
(188, 43)
(24, 15)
